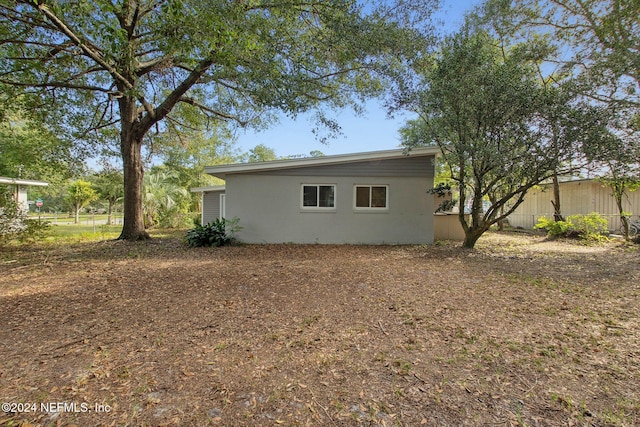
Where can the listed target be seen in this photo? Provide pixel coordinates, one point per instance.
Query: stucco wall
(269, 209)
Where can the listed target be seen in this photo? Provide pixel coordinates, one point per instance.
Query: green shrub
(15, 223)
(590, 228)
(13, 218)
(217, 233)
(554, 228)
(443, 190)
(35, 230)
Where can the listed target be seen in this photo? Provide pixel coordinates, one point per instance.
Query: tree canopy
(599, 41)
(593, 45)
(500, 130)
(29, 150)
(79, 194)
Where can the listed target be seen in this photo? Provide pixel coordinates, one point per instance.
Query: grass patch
(79, 232)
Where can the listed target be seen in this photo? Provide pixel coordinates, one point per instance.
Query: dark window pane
(362, 197)
(310, 195)
(378, 197)
(327, 196)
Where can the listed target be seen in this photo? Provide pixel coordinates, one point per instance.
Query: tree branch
(89, 51)
(204, 108)
(174, 97)
(62, 85)
(156, 64)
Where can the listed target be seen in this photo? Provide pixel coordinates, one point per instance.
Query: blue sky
(369, 132)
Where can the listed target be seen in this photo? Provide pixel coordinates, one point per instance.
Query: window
(371, 197)
(318, 196)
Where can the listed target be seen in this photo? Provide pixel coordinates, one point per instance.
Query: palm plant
(163, 197)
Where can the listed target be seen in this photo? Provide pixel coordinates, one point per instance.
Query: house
(363, 198)
(581, 196)
(20, 188)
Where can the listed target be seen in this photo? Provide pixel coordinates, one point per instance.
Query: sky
(371, 131)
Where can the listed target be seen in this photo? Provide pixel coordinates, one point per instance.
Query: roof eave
(17, 181)
(222, 170)
(208, 189)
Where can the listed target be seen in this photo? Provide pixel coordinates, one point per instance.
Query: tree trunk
(134, 124)
(557, 212)
(133, 225)
(501, 222)
(625, 226)
(471, 236)
(473, 232)
(76, 218)
(618, 193)
(131, 149)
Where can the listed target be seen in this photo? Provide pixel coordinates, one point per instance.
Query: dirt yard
(520, 331)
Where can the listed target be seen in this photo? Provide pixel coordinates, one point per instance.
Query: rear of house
(363, 198)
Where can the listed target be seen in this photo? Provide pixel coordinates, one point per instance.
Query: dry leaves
(521, 331)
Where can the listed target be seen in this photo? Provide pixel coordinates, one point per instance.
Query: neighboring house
(576, 197)
(20, 188)
(364, 198)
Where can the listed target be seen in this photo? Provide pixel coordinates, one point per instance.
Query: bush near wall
(592, 227)
(217, 233)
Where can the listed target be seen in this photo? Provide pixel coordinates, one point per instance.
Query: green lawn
(84, 232)
(89, 233)
(61, 229)
(89, 228)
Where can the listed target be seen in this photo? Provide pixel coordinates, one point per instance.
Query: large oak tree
(145, 67)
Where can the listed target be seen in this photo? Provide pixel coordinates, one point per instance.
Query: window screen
(371, 196)
(318, 196)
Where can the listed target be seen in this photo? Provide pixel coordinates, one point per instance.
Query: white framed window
(371, 197)
(318, 196)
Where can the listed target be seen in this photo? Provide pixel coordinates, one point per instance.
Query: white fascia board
(16, 181)
(208, 189)
(222, 170)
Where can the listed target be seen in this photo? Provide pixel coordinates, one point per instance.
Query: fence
(86, 219)
(576, 197)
